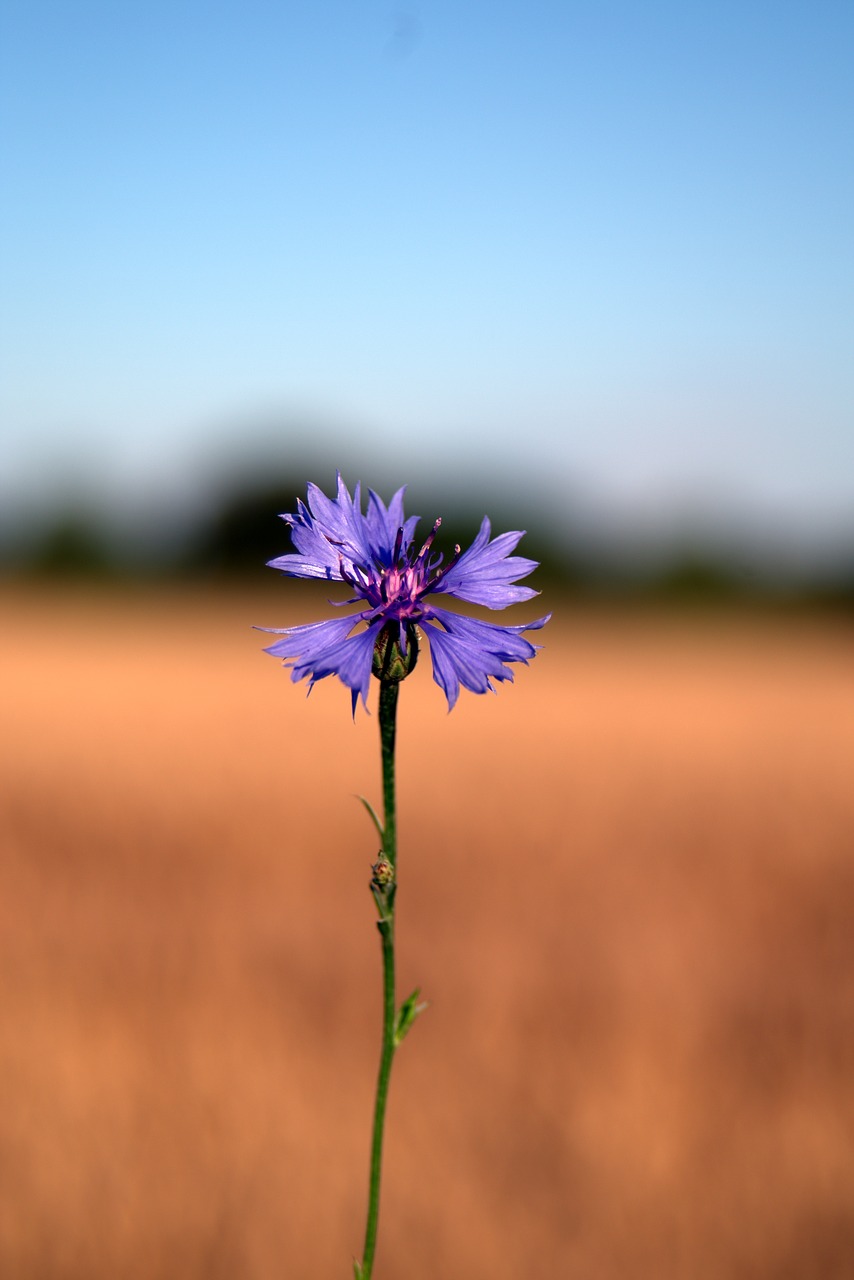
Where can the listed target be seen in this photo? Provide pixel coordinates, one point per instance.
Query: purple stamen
(440, 573)
(429, 541)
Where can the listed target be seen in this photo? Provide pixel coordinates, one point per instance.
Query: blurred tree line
(237, 530)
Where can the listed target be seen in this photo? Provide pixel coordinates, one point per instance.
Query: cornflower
(393, 579)
(394, 582)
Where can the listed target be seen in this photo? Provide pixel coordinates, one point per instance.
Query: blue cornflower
(392, 579)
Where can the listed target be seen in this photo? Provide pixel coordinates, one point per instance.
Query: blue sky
(606, 247)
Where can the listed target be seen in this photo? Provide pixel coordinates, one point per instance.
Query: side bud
(383, 888)
(395, 652)
(383, 876)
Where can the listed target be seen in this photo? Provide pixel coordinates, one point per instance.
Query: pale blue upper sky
(608, 244)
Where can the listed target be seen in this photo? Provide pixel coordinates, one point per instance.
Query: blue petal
(341, 522)
(320, 649)
(470, 652)
(383, 524)
(317, 557)
(484, 573)
(308, 566)
(331, 536)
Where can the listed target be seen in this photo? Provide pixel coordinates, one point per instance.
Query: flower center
(408, 578)
(395, 590)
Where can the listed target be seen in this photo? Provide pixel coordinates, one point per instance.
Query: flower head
(393, 577)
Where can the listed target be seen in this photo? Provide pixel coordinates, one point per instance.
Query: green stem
(385, 924)
(388, 718)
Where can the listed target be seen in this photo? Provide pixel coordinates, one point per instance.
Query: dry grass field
(627, 890)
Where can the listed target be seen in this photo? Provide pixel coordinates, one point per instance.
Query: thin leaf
(406, 1015)
(372, 815)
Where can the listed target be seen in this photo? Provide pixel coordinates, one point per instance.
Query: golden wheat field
(626, 889)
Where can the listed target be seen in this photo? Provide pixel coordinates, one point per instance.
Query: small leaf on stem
(373, 816)
(406, 1015)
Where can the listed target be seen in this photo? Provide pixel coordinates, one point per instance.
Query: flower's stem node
(383, 876)
(395, 652)
(383, 888)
